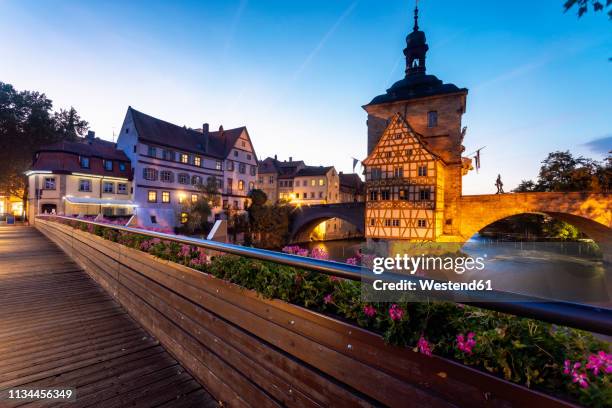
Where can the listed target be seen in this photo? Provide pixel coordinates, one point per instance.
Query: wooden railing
(250, 351)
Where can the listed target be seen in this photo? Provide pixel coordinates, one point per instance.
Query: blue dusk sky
(296, 73)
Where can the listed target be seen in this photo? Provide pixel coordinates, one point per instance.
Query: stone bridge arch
(591, 213)
(305, 218)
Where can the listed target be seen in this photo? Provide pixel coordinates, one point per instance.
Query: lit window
(218, 165)
(422, 171)
(49, 183)
(108, 165)
(313, 182)
(109, 187)
(181, 198)
(422, 223)
(152, 151)
(152, 196)
(240, 185)
(84, 185)
(184, 158)
(184, 217)
(84, 161)
(194, 198)
(321, 182)
(183, 178)
(432, 119)
(165, 196)
(197, 160)
(121, 188)
(403, 194)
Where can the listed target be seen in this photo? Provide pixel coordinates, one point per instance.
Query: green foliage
(269, 223)
(27, 123)
(561, 171)
(521, 350)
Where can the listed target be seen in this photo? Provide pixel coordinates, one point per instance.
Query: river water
(557, 271)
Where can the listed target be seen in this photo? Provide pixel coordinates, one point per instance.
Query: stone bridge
(591, 213)
(306, 218)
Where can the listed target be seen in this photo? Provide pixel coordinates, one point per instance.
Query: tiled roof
(284, 169)
(216, 144)
(88, 147)
(351, 181)
(313, 171)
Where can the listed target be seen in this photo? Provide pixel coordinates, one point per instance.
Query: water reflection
(557, 271)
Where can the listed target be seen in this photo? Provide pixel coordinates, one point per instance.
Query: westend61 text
(430, 284)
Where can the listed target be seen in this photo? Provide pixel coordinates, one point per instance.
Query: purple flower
(327, 299)
(423, 346)
(396, 313)
(351, 261)
(369, 310)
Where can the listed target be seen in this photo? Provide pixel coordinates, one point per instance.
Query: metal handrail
(581, 316)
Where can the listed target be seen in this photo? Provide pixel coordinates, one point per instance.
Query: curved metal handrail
(581, 316)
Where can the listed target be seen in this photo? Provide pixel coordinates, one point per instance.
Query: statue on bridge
(499, 185)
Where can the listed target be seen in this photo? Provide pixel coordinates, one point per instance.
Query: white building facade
(170, 162)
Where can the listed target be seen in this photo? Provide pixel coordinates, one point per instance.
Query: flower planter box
(250, 351)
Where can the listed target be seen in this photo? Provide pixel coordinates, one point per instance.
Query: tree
(199, 211)
(27, 122)
(561, 171)
(583, 6)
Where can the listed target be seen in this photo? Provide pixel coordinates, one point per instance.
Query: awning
(100, 201)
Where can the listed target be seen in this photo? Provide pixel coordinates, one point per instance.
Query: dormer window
(108, 165)
(432, 119)
(84, 161)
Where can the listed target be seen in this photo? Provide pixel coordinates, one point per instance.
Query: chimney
(205, 128)
(290, 159)
(220, 128)
(275, 157)
(91, 135)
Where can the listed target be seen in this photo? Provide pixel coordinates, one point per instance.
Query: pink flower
(369, 310)
(423, 346)
(319, 253)
(580, 378)
(600, 363)
(185, 251)
(334, 278)
(396, 313)
(327, 299)
(466, 345)
(351, 261)
(302, 252)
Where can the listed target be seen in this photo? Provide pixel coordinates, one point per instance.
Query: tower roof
(416, 83)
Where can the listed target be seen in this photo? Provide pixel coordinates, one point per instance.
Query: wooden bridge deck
(59, 329)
